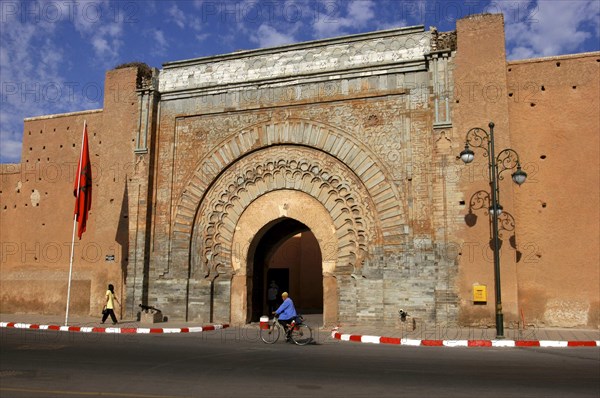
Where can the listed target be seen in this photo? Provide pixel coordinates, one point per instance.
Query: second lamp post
(507, 159)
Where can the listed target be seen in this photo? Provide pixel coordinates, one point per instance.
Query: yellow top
(110, 304)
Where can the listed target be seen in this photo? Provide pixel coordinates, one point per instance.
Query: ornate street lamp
(507, 159)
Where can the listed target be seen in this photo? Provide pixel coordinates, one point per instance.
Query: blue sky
(54, 54)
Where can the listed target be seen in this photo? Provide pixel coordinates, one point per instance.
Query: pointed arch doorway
(270, 233)
(286, 255)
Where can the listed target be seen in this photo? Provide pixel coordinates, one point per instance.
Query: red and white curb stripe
(93, 329)
(462, 343)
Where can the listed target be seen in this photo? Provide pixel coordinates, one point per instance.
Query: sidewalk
(93, 325)
(403, 334)
(451, 335)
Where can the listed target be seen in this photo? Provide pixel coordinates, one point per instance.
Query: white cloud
(267, 36)
(107, 43)
(177, 16)
(195, 24)
(550, 27)
(330, 21)
(10, 146)
(25, 74)
(161, 43)
(361, 12)
(32, 80)
(521, 53)
(100, 45)
(183, 20)
(159, 36)
(99, 23)
(267, 24)
(202, 37)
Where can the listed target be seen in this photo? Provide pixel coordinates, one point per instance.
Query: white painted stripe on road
(370, 339)
(456, 343)
(503, 343)
(552, 343)
(410, 342)
(345, 337)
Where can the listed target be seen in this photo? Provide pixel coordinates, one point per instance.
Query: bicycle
(301, 333)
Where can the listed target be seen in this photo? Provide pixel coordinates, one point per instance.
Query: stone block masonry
(339, 120)
(207, 166)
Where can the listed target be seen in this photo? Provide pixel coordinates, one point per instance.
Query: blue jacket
(286, 310)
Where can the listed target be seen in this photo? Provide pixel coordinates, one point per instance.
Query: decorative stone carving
(275, 168)
(443, 40)
(359, 160)
(404, 45)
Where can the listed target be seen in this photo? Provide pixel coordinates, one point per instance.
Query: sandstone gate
(317, 138)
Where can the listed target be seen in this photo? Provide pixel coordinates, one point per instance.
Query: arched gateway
(331, 140)
(204, 167)
(294, 170)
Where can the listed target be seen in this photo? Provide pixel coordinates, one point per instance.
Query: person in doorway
(109, 306)
(286, 313)
(272, 296)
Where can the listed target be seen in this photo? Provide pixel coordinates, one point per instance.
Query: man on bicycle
(286, 313)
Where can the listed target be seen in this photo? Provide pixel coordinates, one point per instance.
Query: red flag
(83, 186)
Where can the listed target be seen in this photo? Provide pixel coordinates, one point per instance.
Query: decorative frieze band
(276, 168)
(364, 166)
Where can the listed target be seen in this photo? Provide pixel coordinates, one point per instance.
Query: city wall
(192, 163)
(37, 206)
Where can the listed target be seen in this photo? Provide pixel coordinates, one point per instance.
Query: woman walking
(109, 306)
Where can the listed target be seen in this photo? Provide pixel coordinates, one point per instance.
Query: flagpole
(74, 225)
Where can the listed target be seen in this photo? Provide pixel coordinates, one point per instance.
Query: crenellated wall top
(331, 57)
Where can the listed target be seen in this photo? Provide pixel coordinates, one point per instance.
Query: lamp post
(507, 159)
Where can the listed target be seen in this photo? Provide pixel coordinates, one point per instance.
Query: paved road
(234, 363)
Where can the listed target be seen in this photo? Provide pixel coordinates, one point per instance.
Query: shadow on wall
(122, 236)
(506, 222)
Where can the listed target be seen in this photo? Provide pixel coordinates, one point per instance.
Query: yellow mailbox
(479, 294)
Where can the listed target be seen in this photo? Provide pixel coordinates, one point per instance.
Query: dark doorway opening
(280, 277)
(288, 254)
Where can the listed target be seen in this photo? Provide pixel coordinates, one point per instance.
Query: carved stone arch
(354, 155)
(327, 180)
(259, 217)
